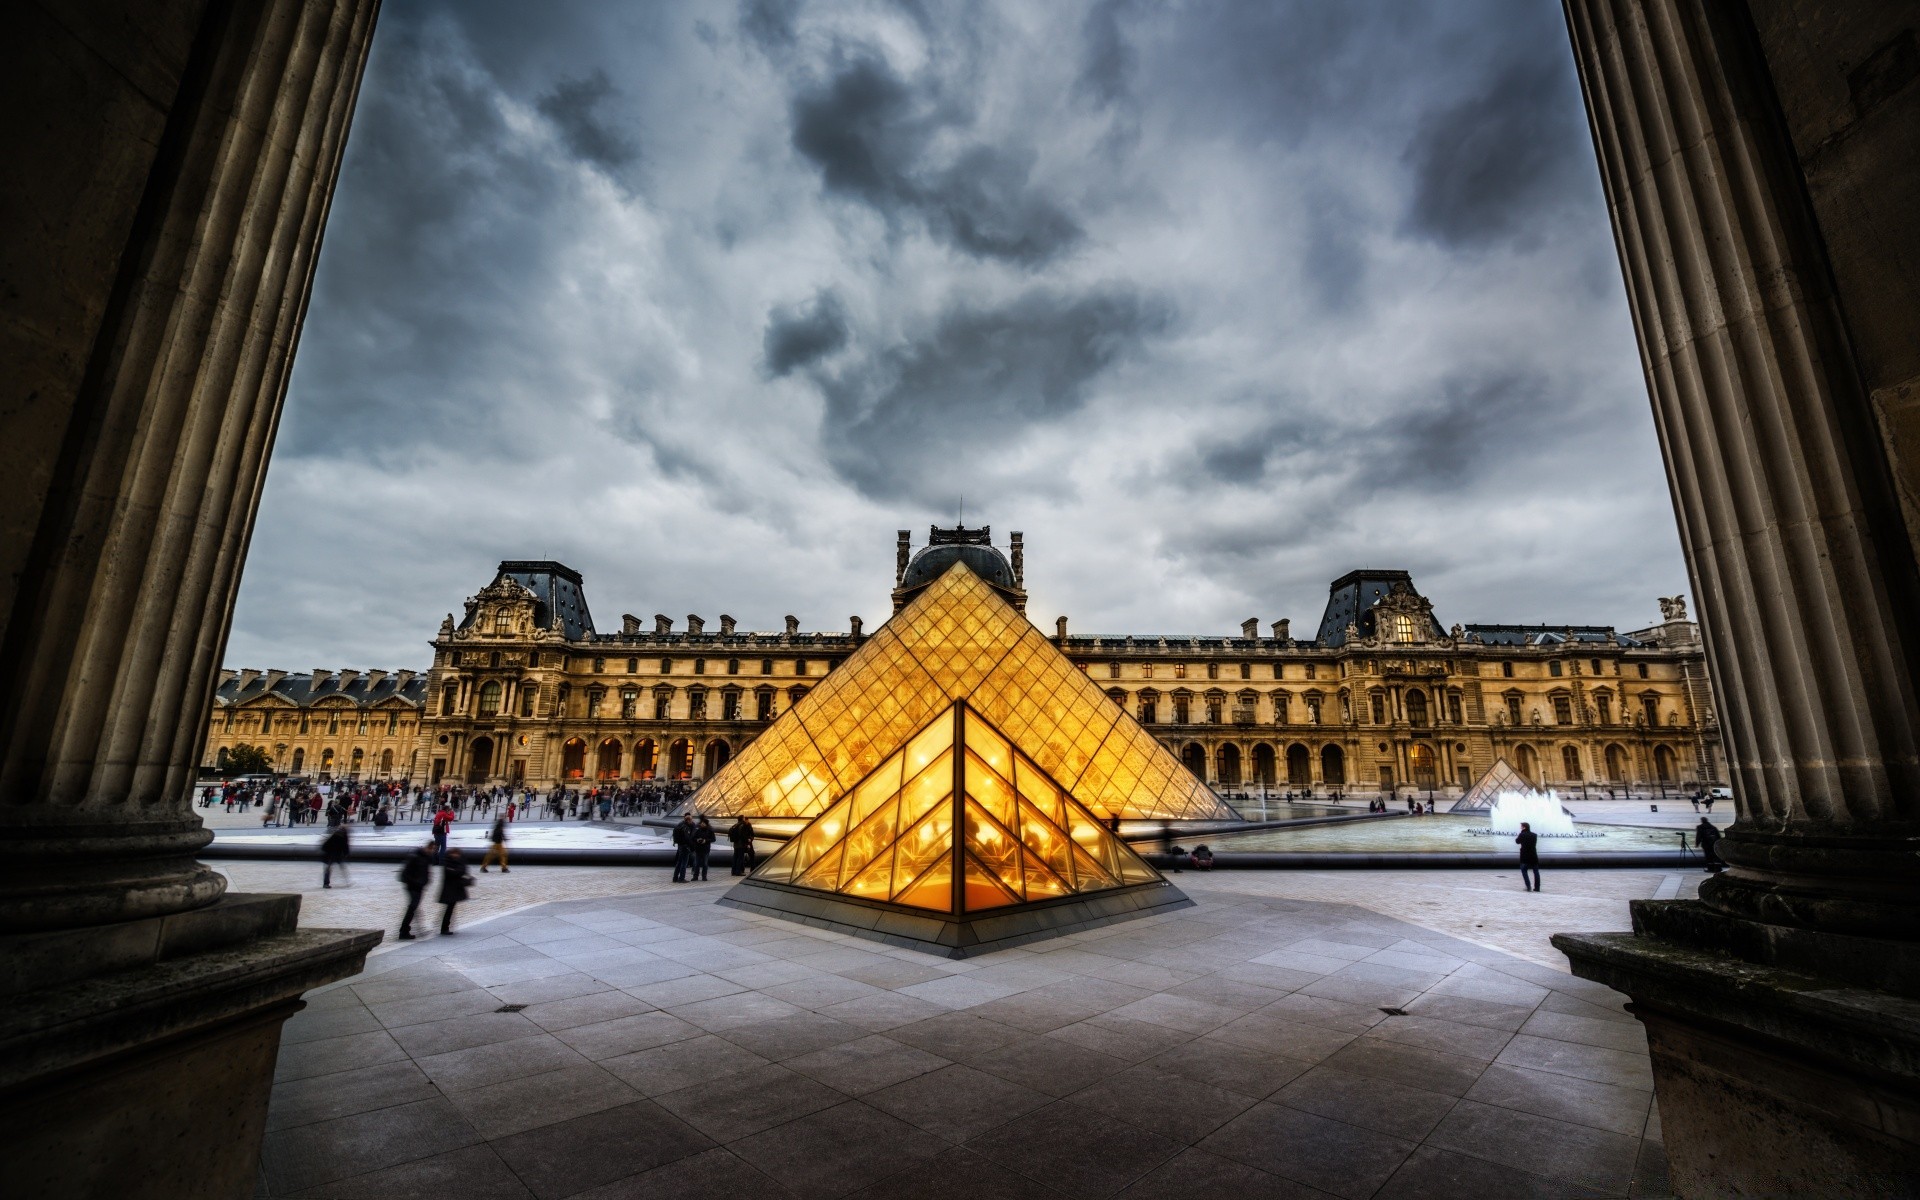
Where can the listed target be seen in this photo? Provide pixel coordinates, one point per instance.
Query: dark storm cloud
(918, 419)
(871, 134)
(802, 335)
(572, 107)
(1241, 293)
(1485, 168)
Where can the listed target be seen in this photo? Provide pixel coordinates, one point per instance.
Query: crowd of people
(382, 803)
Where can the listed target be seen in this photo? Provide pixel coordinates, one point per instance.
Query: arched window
(1527, 763)
(573, 759)
(718, 754)
(1194, 755)
(645, 758)
(502, 623)
(1665, 764)
(1263, 764)
(326, 761)
(1421, 759)
(359, 756)
(1417, 709)
(608, 760)
(299, 760)
(490, 698)
(1570, 764)
(386, 762)
(1299, 766)
(1404, 629)
(1229, 765)
(1617, 762)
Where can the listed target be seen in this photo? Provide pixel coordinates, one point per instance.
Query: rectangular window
(1506, 670)
(800, 666)
(1643, 669)
(663, 708)
(763, 706)
(1562, 710)
(1604, 703)
(1179, 670)
(730, 707)
(1149, 712)
(1453, 709)
(1513, 710)
(1146, 671)
(1180, 712)
(697, 706)
(1113, 670)
(593, 704)
(1246, 670)
(1311, 673)
(1279, 670)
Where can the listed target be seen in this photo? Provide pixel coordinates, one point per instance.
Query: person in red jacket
(442, 826)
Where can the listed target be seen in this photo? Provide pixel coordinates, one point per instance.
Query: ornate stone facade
(524, 689)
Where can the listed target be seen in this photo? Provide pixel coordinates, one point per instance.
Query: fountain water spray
(1541, 810)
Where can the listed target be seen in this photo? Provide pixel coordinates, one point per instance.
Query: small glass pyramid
(957, 640)
(1501, 777)
(958, 820)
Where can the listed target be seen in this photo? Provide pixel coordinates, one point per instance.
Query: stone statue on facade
(1673, 608)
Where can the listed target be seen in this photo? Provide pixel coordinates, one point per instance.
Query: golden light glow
(957, 640)
(892, 836)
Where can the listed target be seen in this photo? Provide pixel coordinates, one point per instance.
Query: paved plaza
(650, 1043)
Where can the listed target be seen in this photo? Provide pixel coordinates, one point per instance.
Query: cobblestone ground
(1486, 907)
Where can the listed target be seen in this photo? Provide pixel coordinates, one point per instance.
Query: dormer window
(1405, 631)
(502, 623)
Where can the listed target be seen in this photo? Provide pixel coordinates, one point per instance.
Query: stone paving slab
(1239, 1044)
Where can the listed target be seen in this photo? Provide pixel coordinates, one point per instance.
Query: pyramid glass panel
(1010, 833)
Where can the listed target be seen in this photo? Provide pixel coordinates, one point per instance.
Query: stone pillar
(1789, 1068)
(170, 169)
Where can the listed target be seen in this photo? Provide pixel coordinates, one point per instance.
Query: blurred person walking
(497, 846)
(455, 881)
(740, 836)
(1529, 843)
(415, 874)
(703, 839)
(333, 853)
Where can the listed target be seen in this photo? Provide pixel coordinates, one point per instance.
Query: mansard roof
(559, 596)
(359, 689)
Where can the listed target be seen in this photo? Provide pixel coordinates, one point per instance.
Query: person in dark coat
(1707, 838)
(333, 853)
(415, 874)
(703, 839)
(1529, 842)
(741, 838)
(454, 882)
(496, 846)
(682, 847)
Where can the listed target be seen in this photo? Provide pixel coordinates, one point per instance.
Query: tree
(248, 760)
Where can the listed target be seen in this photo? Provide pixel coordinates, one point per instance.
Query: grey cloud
(572, 107)
(870, 134)
(922, 418)
(804, 334)
(1486, 167)
(1108, 60)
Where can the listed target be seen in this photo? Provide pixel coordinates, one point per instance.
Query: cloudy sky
(1215, 301)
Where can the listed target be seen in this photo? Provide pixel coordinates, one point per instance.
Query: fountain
(1541, 810)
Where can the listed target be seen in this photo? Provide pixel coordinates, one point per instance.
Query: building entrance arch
(717, 755)
(1263, 765)
(1666, 766)
(1420, 758)
(1229, 756)
(1527, 763)
(1299, 766)
(1194, 755)
(573, 759)
(479, 760)
(646, 758)
(680, 759)
(607, 760)
(1333, 766)
(1617, 763)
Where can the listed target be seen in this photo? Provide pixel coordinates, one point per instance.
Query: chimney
(1060, 628)
(903, 549)
(319, 677)
(1018, 546)
(347, 677)
(1250, 628)
(245, 677)
(401, 679)
(726, 625)
(629, 624)
(854, 624)
(374, 678)
(662, 623)
(695, 624)
(793, 624)
(1283, 630)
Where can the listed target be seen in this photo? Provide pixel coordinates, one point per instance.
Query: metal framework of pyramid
(956, 843)
(1500, 777)
(957, 641)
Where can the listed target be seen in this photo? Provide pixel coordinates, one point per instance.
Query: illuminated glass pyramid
(958, 640)
(957, 820)
(956, 843)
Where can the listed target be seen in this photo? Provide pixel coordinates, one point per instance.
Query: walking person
(333, 853)
(497, 846)
(682, 847)
(703, 839)
(442, 826)
(1529, 842)
(415, 874)
(455, 880)
(740, 836)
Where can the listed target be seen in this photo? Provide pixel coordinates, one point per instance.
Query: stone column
(170, 169)
(1790, 519)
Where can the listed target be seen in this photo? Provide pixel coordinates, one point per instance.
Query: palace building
(1382, 697)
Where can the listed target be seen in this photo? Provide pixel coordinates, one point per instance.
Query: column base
(1771, 1080)
(153, 1081)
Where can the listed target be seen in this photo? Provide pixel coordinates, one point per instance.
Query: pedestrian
(1707, 838)
(682, 847)
(1696, 800)
(333, 853)
(497, 846)
(606, 806)
(741, 838)
(1529, 856)
(415, 874)
(442, 826)
(1708, 801)
(454, 882)
(703, 839)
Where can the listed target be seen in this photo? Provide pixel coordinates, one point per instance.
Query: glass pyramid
(957, 640)
(957, 820)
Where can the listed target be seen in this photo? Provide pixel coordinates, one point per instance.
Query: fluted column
(1788, 516)
(145, 419)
